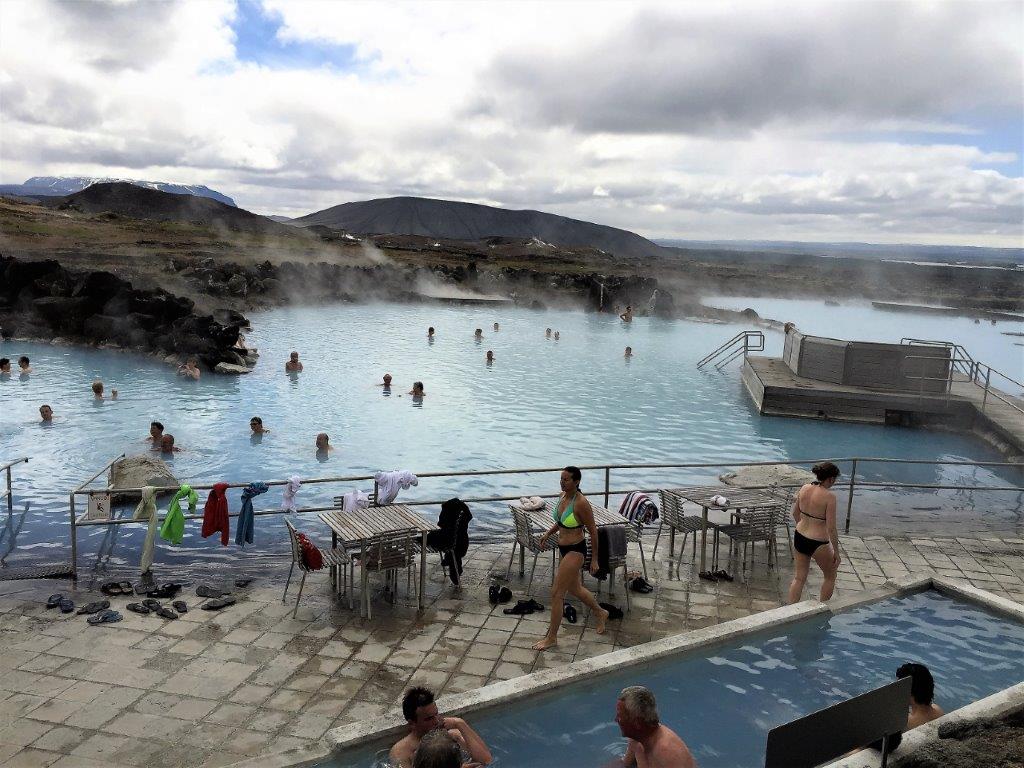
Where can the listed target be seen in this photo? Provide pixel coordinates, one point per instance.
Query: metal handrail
(952, 346)
(732, 349)
(8, 493)
(608, 490)
(949, 380)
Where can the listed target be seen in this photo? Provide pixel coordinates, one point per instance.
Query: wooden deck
(777, 391)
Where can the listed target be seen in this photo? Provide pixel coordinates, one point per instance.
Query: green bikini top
(568, 517)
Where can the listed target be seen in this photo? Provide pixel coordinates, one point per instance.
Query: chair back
(763, 518)
(524, 531)
(339, 501)
(388, 552)
(293, 539)
(670, 511)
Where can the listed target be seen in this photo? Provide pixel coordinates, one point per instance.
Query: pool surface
(542, 403)
(723, 700)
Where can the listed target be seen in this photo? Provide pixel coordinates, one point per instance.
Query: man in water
(156, 432)
(651, 744)
(46, 413)
(190, 369)
(421, 713)
(556, 335)
(256, 425)
(479, 333)
(629, 352)
(627, 316)
(5, 366)
(923, 709)
(24, 365)
(490, 357)
(496, 327)
(323, 446)
(547, 333)
(97, 390)
(417, 390)
(293, 365)
(386, 382)
(167, 444)
(430, 332)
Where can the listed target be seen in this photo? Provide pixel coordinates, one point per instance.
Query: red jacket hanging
(215, 513)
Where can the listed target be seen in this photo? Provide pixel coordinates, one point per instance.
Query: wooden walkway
(777, 391)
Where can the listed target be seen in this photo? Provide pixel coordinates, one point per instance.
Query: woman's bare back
(813, 502)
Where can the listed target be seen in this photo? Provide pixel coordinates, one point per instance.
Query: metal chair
(672, 515)
(785, 496)
(332, 559)
(614, 563)
(386, 554)
(754, 525)
(527, 541)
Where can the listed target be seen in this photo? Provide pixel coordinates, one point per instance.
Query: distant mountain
(126, 199)
(469, 221)
(58, 186)
(949, 254)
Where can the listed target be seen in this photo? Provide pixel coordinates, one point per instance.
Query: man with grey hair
(651, 744)
(438, 749)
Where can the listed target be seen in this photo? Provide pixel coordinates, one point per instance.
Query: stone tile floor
(212, 689)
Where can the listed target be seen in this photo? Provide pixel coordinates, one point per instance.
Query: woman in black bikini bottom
(818, 497)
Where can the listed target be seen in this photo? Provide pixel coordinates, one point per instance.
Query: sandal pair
(104, 617)
(217, 603)
(112, 588)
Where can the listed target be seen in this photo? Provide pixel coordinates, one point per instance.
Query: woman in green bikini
(571, 515)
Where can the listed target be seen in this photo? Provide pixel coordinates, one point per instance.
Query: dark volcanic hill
(126, 199)
(469, 221)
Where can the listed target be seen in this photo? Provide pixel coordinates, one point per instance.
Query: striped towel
(638, 508)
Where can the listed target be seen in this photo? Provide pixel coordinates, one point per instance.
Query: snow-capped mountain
(59, 186)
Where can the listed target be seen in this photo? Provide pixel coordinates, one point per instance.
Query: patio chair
(672, 515)
(387, 554)
(785, 495)
(614, 564)
(332, 559)
(754, 525)
(527, 541)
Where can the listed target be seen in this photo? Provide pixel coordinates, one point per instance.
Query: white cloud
(705, 121)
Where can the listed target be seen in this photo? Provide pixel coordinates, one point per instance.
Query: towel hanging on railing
(215, 513)
(146, 510)
(638, 508)
(290, 489)
(246, 515)
(389, 483)
(173, 529)
(354, 500)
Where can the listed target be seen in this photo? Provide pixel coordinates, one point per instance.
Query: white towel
(389, 483)
(147, 510)
(720, 501)
(354, 500)
(531, 503)
(290, 489)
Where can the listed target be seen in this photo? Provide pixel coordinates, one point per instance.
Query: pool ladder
(739, 345)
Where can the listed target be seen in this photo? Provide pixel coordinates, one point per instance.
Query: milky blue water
(724, 700)
(543, 403)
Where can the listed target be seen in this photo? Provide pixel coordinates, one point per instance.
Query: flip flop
(138, 608)
(111, 588)
(569, 613)
(614, 613)
(217, 603)
(54, 600)
(723, 574)
(535, 605)
(164, 591)
(205, 590)
(166, 613)
(151, 604)
(96, 607)
(66, 605)
(504, 595)
(179, 606)
(707, 576)
(104, 617)
(521, 608)
(492, 593)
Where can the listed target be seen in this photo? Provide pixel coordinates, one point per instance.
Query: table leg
(703, 538)
(423, 567)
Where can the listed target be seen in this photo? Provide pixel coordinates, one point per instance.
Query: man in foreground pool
(421, 713)
(651, 744)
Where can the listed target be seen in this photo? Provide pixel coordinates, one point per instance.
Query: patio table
(738, 499)
(356, 529)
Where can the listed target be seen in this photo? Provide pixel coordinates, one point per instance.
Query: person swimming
(547, 333)
(256, 425)
(496, 327)
(490, 357)
(627, 316)
(386, 382)
(629, 352)
(97, 390)
(478, 333)
(323, 443)
(557, 334)
(293, 365)
(46, 413)
(5, 366)
(167, 444)
(156, 431)
(24, 365)
(417, 389)
(190, 369)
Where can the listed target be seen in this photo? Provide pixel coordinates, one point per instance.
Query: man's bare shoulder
(670, 750)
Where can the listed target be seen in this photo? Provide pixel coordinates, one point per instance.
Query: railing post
(849, 500)
(10, 496)
(984, 397)
(607, 484)
(74, 538)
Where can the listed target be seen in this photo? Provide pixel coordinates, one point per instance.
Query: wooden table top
(369, 523)
(738, 498)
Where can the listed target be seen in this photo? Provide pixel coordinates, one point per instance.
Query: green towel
(173, 529)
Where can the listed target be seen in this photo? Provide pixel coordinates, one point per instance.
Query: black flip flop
(521, 608)
(217, 603)
(723, 575)
(151, 604)
(138, 608)
(708, 576)
(166, 613)
(569, 613)
(179, 606)
(96, 607)
(614, 613)
(111, 588)
(54, 600)
(205, 590)
(105, 617)
(535, 605)
(504, 595)
(66, 605)
(492, 593)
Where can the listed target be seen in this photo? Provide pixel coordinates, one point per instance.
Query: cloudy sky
(868, 121)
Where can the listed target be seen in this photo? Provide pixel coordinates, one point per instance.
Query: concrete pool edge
(506, 692)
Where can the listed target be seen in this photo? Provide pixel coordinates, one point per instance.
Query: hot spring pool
(724, 699)
(542, 403)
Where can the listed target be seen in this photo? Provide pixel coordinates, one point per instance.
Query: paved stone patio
(212, 689)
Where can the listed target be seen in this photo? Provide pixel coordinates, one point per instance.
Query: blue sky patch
(256, 41)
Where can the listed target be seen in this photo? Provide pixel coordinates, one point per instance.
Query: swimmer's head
(322, 441)
(495, 326)
(417, 387)
(167, 443)
(156, 430)
(387, 379)
(256, 424)
(479, 332)
(547, 331)
(97, 388)
(629, 351)
(46, 413)
(5, 365)
(430, 331)
(490, 356)
(420, 711)
(922, 685)
(294, 356)
(23, 361)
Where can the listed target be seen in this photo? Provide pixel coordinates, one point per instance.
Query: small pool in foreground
(723, 700)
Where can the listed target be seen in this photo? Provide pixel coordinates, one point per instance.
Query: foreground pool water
(723, 701)
(542, 403)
